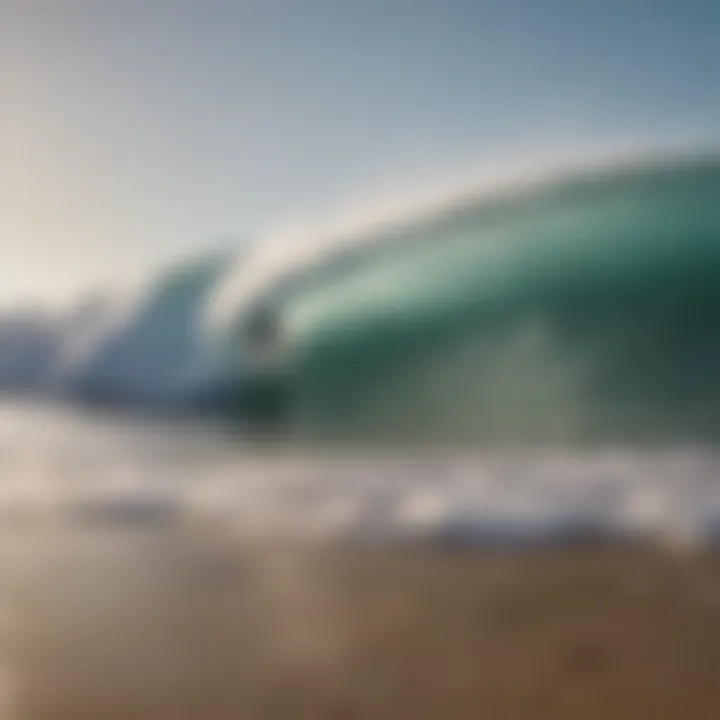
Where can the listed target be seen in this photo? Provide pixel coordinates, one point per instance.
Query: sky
(133, 131)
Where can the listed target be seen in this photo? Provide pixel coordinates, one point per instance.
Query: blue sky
(134, 130)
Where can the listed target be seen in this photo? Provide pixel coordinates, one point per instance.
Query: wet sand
(176, 626)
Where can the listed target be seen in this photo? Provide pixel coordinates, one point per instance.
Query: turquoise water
(579, 310)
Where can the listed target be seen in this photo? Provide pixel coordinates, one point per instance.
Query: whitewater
(68, 469)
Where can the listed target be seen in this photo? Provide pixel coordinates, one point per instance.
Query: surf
(583, 308)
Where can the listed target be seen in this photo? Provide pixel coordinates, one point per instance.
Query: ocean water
(533, 364)
(534, 371)
(63, 467)
(580, 309)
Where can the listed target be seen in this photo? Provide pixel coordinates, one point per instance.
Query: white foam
(74, 469)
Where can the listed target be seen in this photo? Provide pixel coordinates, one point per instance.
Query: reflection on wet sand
(169, 622)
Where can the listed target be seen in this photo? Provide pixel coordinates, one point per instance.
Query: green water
(573, 311)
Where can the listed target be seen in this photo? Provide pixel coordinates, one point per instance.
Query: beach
(160, 625)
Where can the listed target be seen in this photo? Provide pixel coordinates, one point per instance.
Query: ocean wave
(570, 306)
(580, 308)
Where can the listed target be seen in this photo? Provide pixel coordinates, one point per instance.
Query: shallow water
(177, 571)
(66, 468)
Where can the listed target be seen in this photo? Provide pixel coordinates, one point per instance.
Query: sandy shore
(164, 628)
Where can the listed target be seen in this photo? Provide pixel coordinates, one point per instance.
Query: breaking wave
(578, 307)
